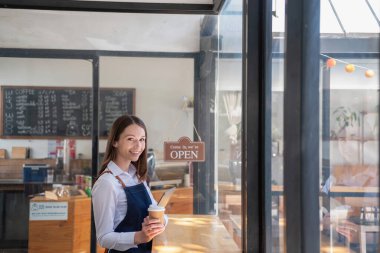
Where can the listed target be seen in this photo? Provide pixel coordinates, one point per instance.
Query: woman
(120, 195)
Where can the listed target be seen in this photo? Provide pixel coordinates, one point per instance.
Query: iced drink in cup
(156, 212)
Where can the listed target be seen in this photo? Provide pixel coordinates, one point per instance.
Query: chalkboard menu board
(43, 112)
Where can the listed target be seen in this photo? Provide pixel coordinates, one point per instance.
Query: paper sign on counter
(48, 211)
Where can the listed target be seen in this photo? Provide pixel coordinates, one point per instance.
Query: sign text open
(184, 150)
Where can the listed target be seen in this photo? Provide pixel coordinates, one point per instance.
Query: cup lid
(156, 208)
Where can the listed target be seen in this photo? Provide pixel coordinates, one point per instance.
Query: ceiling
(45, 29)
(101, 31)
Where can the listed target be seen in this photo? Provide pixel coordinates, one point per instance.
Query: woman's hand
(150, 228)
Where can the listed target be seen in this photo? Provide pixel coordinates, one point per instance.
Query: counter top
(29, 188)
(194, 233)
(21, 181)
(11, 181)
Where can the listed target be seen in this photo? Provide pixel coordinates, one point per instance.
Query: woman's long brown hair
(110, 154)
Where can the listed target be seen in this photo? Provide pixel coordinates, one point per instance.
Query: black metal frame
(301, 126)
(95, 140)
(256, 124)
(109, 6)
(85, 54)
(204, 120)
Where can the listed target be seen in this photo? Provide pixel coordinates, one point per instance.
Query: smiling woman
(121, 213)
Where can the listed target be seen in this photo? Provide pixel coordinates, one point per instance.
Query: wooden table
(364, 229)
(346, 228)
(357, 197)
(194, 233)
(353, 191)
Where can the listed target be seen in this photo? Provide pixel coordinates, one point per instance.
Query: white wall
(160, 84)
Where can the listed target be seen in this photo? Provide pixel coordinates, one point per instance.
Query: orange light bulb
(369, 73)
(331, 63)
(349, 68)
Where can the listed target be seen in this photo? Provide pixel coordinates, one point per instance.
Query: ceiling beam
(106, 6)
(218, 4)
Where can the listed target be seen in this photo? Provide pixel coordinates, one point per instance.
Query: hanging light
(369, 73)
(350, 68)
(331, 62)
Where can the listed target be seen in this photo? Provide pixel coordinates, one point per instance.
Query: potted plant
(345, 118)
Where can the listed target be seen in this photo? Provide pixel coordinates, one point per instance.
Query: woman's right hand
(150, 229)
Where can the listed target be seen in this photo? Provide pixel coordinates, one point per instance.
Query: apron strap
(117, 177)
(120, 181)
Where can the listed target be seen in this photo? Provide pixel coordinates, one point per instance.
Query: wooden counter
(194, 233)
(71, 235)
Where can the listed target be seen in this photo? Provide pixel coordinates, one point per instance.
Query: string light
(331, 62)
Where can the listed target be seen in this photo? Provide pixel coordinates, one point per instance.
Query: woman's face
(131, 143)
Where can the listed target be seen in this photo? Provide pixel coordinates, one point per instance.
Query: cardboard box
(3, 153)
(20, 152)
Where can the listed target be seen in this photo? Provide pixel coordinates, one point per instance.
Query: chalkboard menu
(43, 112)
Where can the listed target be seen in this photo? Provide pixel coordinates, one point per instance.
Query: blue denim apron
(138, 201)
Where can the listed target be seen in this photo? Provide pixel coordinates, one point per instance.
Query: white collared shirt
(110, 206)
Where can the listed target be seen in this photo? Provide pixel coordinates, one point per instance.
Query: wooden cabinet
(180, 203)
(71, 235)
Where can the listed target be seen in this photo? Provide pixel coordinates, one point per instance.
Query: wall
(160, 84)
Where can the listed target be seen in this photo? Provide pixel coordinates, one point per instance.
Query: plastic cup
(156, 212)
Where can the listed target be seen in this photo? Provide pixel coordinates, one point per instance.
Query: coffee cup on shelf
(156, 212)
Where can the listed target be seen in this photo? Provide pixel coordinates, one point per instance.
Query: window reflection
(350, 168)
(228, 119)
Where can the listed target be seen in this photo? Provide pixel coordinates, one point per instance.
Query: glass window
(149, 65)
(278, 52)
(45, 140)
(228, 98)
(349, 199)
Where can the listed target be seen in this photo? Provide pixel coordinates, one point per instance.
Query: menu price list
(31, 111)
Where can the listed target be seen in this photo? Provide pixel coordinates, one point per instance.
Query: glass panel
(167, 117)
(228, 119)
(45, 144)
(350, 134)
(367, 22)
(158, 70)
(278, 215)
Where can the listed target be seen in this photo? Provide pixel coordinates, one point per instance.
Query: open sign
(184, 150)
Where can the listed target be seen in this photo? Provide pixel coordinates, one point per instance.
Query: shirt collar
(117, 171)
